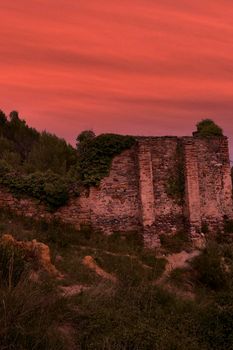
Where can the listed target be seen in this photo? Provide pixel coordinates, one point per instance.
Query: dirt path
(177, 261)
(180, 260)
(107, 252)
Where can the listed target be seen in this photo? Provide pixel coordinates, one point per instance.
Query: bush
(207, 127)
(96, 154)
(46, 187)
(208, 265)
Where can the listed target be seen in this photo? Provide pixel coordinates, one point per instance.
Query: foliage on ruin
(208, 127)
(95, 155)
(175, 187)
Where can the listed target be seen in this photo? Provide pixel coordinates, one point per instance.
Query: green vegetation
(30, 315)
(96, 153)
(135, 313)
(210, 268)
(42, 166)
(138, 312)
(176, 182)
(207, 127)
(34, 164)
(175, 243)
(47, 187)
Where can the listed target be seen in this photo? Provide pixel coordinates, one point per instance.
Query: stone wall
(75, 212)
(134, 196)
(115, 205)
(160, 212)
(192, 186)
(211, 172)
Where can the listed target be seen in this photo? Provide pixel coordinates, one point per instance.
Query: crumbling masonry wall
(208, 182)
(135, 197)
(160, 212)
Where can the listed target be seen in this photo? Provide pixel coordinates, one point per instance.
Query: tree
(207, 127)
(23, 137)
(14, 118)
(3, 122)
(84, 138)
(3, 118)
(53, 153)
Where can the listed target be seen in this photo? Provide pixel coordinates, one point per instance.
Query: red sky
(149, 67)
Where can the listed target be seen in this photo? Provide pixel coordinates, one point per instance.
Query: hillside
(129, 299)
(66, 287)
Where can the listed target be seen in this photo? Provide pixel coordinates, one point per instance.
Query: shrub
(207, 127)
(46, 187)
(208, 265)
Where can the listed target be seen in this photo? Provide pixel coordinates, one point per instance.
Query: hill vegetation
(191, 309)
(45, 167)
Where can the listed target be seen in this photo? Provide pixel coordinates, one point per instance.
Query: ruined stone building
(160, 186)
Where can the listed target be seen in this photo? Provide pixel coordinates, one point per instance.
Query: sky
(141, 67)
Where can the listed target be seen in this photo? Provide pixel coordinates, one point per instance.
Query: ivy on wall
(96, 154)
(176, 183)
